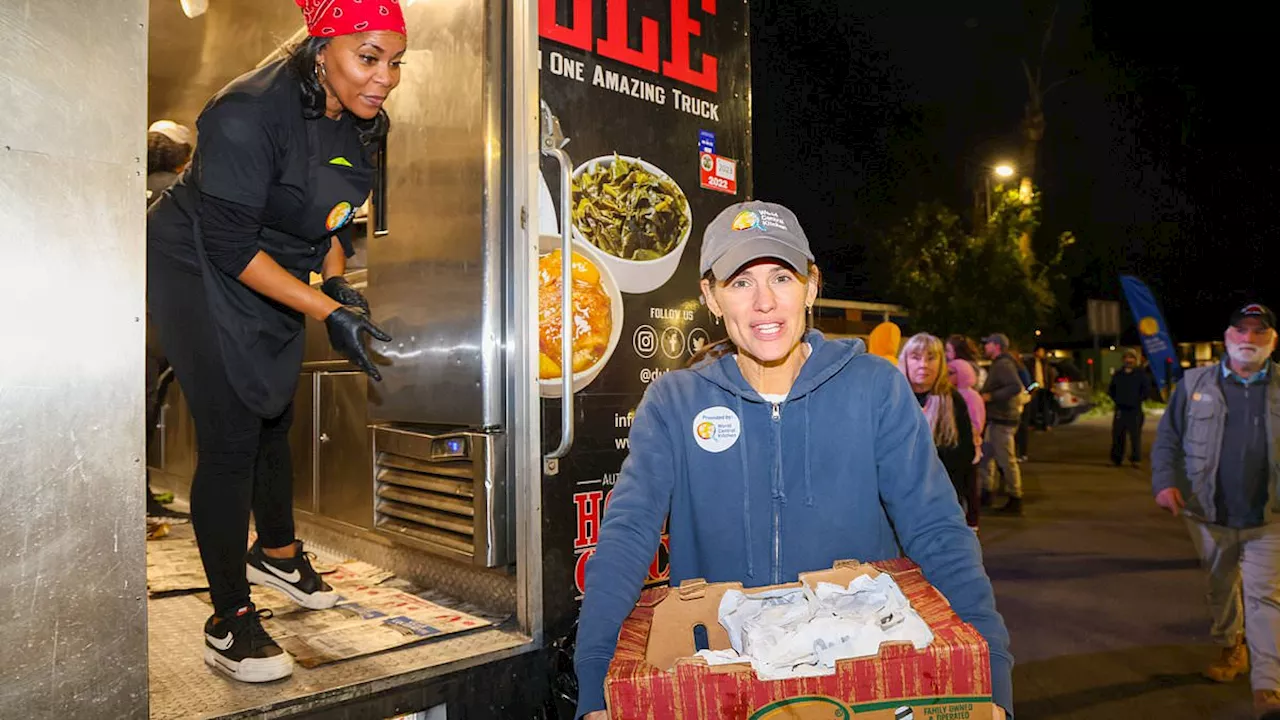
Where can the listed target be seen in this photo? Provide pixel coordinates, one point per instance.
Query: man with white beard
(1216, 462)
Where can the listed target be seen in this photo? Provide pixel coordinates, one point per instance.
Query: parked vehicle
(1072, 392)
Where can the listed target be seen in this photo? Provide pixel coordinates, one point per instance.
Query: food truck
(546, 160)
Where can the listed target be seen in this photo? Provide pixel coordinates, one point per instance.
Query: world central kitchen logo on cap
(759, 220)
(746, 220)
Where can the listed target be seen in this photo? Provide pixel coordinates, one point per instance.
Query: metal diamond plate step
(183, 687)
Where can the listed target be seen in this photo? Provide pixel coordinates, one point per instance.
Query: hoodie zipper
(777, 510)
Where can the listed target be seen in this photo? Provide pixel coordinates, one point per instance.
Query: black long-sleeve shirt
(1129, 387)
(251, 170)
(958, 460)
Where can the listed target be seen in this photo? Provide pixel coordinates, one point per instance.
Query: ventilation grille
(428, 503)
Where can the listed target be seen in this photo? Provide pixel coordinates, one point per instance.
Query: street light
(1003, 170)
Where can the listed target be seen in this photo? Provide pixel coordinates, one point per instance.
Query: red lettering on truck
(616, 42)
(590, 511)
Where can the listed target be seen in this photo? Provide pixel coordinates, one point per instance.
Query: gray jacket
(1189, 442)
(1005, 387)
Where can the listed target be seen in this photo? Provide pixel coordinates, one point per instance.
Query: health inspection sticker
(716, 429)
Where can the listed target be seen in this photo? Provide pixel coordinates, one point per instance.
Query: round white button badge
(716, 429)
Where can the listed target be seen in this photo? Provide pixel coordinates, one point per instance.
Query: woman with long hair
(923, 362)
(963, 347)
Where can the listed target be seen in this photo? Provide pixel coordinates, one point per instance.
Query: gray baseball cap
(998, 338)
(752, 231)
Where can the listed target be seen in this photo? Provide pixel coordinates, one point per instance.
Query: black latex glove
(345, 325)
(339, 289)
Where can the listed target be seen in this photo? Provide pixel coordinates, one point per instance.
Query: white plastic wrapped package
(798, 632)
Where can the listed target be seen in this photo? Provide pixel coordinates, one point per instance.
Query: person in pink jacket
(964, 378)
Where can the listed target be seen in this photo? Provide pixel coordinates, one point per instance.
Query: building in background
(856, 318)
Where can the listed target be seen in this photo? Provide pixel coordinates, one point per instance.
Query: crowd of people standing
(1213, 463)
(981, 414)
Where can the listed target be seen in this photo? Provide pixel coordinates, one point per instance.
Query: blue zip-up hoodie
(830, 473)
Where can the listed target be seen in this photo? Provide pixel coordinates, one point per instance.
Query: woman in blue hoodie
(776, 453)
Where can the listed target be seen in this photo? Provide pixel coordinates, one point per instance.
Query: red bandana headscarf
(330, 18)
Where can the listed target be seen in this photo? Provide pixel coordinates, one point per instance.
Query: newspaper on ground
(370, 617)
(367, 620)
(174, 566)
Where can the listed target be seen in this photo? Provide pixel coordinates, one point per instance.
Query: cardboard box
(655, 676)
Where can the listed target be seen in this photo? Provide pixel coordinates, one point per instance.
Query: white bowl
(638, 276)
(552, 388)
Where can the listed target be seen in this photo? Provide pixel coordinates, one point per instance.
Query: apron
(261, 340)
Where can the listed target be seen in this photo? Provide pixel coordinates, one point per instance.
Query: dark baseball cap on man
(751, 231)
(1255, 310)
(998, 338)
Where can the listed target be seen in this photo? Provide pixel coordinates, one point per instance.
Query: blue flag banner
(1156, 342)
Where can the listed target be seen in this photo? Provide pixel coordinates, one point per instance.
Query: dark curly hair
(165, 155)
(302, 62)
(964, 348)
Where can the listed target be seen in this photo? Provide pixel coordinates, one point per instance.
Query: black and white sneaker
(237, 645)
(294, 577)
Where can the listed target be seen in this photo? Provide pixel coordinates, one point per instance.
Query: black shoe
(237, 645)
(294, 577)
(1013, 507)
(159, 512)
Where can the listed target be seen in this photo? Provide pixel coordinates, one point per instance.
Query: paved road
(1102, 593)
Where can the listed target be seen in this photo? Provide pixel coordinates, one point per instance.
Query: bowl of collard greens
(634, 217)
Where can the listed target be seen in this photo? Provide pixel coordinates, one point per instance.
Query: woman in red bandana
(285, 158)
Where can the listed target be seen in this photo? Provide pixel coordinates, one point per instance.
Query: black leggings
(243, 460)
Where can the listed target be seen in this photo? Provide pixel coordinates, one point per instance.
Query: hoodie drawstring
(808, 485)
(746, 497)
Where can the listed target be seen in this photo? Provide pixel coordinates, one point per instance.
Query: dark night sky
(1158, 155)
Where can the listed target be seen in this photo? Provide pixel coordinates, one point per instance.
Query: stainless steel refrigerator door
(343, 486)
(72, 548)
(435, 278)
(302, 444)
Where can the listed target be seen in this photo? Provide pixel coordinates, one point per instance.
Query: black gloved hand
(339, 289)
(345, 325)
